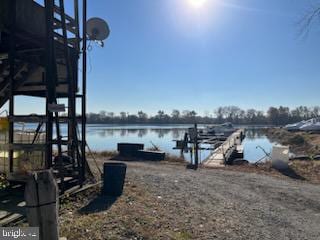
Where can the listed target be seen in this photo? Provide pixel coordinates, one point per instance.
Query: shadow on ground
(99, 204)
(12, 205)
(289, 172)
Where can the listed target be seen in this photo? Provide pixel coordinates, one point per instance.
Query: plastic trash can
(280, 157)
(114, 175)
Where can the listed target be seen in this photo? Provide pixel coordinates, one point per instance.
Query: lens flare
(197, 3)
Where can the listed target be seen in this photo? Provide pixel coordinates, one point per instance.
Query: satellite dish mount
(97, 30)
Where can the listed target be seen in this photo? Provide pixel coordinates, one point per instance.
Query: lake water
(106, 137)
(252, 144)
(102, 137)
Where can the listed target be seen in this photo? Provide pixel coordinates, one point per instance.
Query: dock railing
(221, 155)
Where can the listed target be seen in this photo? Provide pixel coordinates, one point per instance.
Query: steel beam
(84, 88)
(12, 75)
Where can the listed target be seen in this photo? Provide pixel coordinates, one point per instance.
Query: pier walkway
(222, 154)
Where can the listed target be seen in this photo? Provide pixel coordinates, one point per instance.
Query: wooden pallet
(12, 203)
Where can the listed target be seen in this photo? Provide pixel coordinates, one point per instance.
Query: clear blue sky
(168, 54)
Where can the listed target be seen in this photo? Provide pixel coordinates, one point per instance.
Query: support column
(12, 53)
(50, 78)
(84, 89)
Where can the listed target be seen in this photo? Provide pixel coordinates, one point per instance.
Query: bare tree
(175, 114)
(311, 17)
(142, 116)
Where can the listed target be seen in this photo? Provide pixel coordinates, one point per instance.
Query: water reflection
(123, 132)
(102, 137)
(106, 137)
(254, 138)
(254, 133)
(176, 133)
(142, 132)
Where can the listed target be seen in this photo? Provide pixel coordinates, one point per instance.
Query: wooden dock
(221, 155)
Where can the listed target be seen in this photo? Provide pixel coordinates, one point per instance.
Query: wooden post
(41, 195)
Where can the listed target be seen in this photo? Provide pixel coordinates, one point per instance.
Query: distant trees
(175, 115)
(274, 116)
(283, 115)
(143, 117)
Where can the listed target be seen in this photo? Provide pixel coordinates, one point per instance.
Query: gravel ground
(232, 205)
(166, 201)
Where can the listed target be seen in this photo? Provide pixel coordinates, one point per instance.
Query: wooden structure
(223, 154)
(223, 148)
(12, 206)
(40, 47)
(135, 151)
(42, 204)
(191, 137)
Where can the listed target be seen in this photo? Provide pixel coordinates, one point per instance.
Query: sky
(177, 54)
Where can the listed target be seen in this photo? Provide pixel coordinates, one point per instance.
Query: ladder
(58, 26)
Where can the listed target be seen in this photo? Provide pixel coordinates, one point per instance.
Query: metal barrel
(113, 178)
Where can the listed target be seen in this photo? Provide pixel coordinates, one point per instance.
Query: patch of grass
(309, 169)
(174, 159)
(107, 154)
(183, 236)
(297, 140)
(132, 216)
(300, 143)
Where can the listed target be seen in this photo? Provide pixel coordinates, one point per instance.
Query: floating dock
(226, 151)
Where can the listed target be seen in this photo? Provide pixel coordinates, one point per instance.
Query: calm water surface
(101, 137)
(255, 138)
(106, 137)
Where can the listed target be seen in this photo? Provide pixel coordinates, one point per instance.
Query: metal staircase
(22, 71)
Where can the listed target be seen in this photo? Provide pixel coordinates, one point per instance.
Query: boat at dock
(294, 126)
(312, 124)
(225, 129)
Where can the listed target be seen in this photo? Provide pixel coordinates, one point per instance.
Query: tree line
(274, 116)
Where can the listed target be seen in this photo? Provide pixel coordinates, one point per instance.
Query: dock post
(41, 195)
(196, 157)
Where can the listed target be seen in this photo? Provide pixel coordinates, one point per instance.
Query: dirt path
(170, 202)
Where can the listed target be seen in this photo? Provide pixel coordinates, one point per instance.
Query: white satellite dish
(97, 29)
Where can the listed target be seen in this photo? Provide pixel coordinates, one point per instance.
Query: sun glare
(197, 3)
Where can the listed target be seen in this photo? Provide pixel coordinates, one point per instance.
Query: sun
(197, 3)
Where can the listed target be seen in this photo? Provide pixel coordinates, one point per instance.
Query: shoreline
(300, 170)
(300, 143)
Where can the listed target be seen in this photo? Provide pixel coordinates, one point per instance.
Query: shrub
(297, 140)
